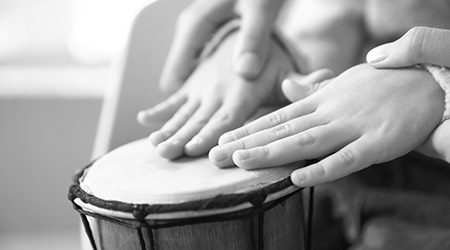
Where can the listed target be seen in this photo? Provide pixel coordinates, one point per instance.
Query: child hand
(362, 117)
(419, 45)
(212, 101)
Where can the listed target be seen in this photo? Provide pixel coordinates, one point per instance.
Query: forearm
(328, 33)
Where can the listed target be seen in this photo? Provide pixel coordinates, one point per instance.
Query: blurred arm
(328, 33)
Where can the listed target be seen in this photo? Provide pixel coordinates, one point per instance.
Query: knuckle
(319, 171)
(418, 41)
(347, 157)
(281, 130)
(243, 132)
(240, 144)
(200, 120)
(228, 118)
(275, 118)
(172, 100)
(304, 139)
(265, 151)
(224, 117)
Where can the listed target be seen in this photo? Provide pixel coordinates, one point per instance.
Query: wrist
(441, 75)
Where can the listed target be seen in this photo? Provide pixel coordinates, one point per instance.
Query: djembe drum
(133, 199)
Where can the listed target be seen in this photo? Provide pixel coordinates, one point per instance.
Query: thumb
(253, 40)
(297, 87)
(418, 45)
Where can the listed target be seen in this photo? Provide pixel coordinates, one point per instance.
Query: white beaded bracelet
(442, 76)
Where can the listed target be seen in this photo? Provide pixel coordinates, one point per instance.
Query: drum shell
(282, 227)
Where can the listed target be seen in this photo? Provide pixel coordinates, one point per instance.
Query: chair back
(135, 84)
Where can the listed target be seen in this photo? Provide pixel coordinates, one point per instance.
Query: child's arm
(330, 34)
(362, 117)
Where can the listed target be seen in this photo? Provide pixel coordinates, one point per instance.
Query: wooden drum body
(133, 199)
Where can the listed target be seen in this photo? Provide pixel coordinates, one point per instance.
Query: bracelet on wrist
(441, 75)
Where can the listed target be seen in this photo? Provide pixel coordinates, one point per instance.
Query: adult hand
(214, 100)
(362, 117)
(200, 21)
(419, 45)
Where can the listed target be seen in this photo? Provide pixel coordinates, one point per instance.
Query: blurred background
(56, 59)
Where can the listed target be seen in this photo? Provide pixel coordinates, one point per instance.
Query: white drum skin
(135, 174)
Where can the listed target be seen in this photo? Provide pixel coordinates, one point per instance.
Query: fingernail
(155, 138)
(158, 137)
(243, 155)
(299, 177)
(170, 149)
(193, 143)
(226, 138)
(219, 153)
(376, 56)
(171, 143)
(248, 64)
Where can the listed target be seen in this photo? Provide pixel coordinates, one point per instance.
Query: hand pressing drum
(362, 117)
(214, 100)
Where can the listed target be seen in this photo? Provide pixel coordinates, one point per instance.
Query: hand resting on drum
(362, 117)
(214, 100)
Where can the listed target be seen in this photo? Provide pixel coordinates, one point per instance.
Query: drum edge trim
(142, 211)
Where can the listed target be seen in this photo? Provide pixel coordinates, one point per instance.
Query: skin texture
(362, 117)
(365, 125)
(214, 100)
(197, 23)
(231, 110)
(419, 45)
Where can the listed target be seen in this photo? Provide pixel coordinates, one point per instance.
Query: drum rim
(141, 210)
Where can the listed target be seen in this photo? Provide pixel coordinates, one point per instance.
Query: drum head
(136, 174)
